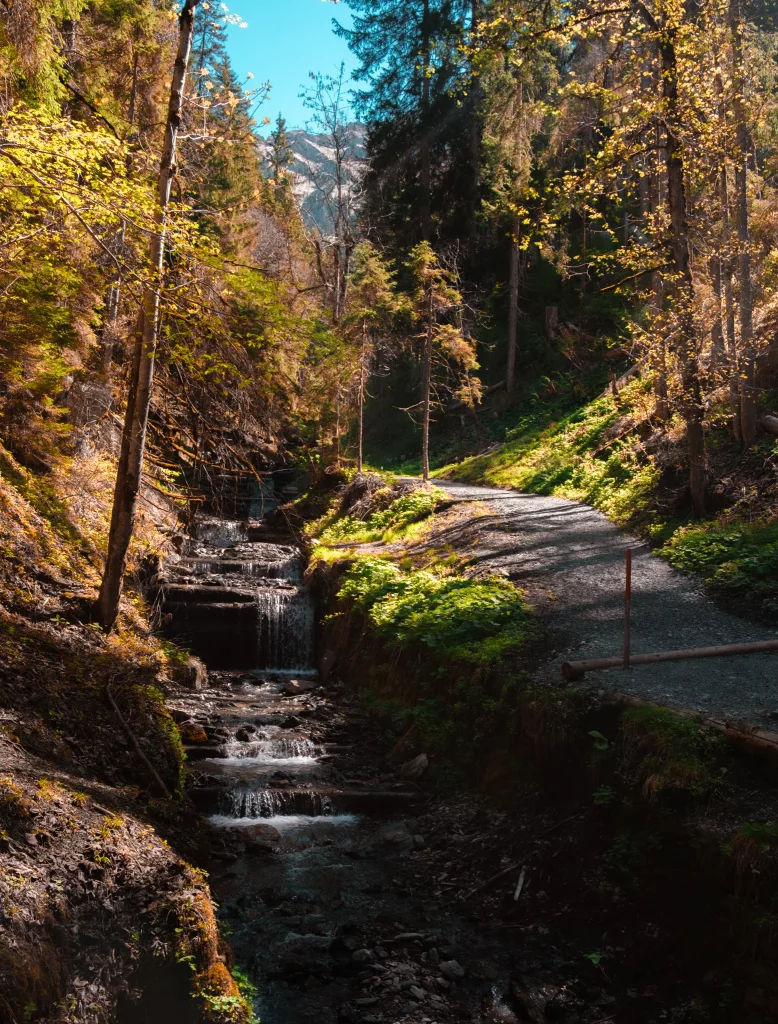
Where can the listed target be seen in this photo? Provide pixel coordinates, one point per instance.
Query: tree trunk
(718, 356)
(474, 139)
(426, 177)
(513, 308)
(130, 469)
(747, 367)
(426, 388)
(361, 400)
(676, 197)
(729, 306)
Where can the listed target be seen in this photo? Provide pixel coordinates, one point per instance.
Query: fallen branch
(136, 746)
(494, 878)
(520, 885)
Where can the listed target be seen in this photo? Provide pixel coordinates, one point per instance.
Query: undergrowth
(738, 559)
(668, 755)
(464, 620)
(387, 525)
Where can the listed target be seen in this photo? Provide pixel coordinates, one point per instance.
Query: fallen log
(573, 670)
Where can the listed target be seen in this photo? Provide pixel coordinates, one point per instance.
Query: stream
(305, 838)
(348, 891)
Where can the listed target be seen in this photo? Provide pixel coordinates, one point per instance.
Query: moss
(198, 945)
(668, 753)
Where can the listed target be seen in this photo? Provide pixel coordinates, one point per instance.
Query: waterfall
(282, 747)
(221, 533)
(285, 623)
(287, 566)
(267, 803)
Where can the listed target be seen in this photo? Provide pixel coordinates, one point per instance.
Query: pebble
(416, 992)
(362, 956)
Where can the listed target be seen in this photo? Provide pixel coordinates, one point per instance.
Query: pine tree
(412, 62)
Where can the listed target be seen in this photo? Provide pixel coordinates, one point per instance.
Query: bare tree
(336, 183)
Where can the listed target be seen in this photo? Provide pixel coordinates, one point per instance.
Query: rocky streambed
(350, 890)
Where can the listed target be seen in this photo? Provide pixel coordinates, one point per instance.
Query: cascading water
(268, 803)
(285, 621)
(260, 771)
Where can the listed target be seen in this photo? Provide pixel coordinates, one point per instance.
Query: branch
(91, 106)
(136, 746)
(633, 277)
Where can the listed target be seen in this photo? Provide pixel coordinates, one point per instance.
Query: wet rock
(245, 733)
(193, 674)
(191, 732)
(419, 842)
(415, 768)
(297, 686)
(290, 723)
(397, 837)
(361, 956)
(259, 838)
(452, 970)
(416, 992)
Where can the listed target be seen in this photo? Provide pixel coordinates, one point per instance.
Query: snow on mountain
(313, 170)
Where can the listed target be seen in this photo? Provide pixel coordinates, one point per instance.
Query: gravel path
(570, 560)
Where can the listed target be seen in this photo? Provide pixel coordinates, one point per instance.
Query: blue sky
(284, 41)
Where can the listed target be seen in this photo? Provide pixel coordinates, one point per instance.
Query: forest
(337, 499)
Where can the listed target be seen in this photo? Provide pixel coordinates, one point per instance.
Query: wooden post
(627, 602)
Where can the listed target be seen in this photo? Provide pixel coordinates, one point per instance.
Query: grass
(388, 525)
(666, 753)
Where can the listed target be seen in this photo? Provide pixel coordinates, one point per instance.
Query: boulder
(397, 837)
(415, 768)
(192, 674)
(259, 838)
(452, 970)
(191, 732)
(297, 686)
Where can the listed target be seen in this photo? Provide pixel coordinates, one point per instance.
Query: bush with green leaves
(471, 620)
(740, 559)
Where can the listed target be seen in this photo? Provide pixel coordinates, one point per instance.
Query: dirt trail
(570, 560)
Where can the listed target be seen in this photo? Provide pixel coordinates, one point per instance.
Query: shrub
(473, 620)
(735, 558)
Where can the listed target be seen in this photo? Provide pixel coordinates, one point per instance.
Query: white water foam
(285, 628)
(286, 822)
(272, 748)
